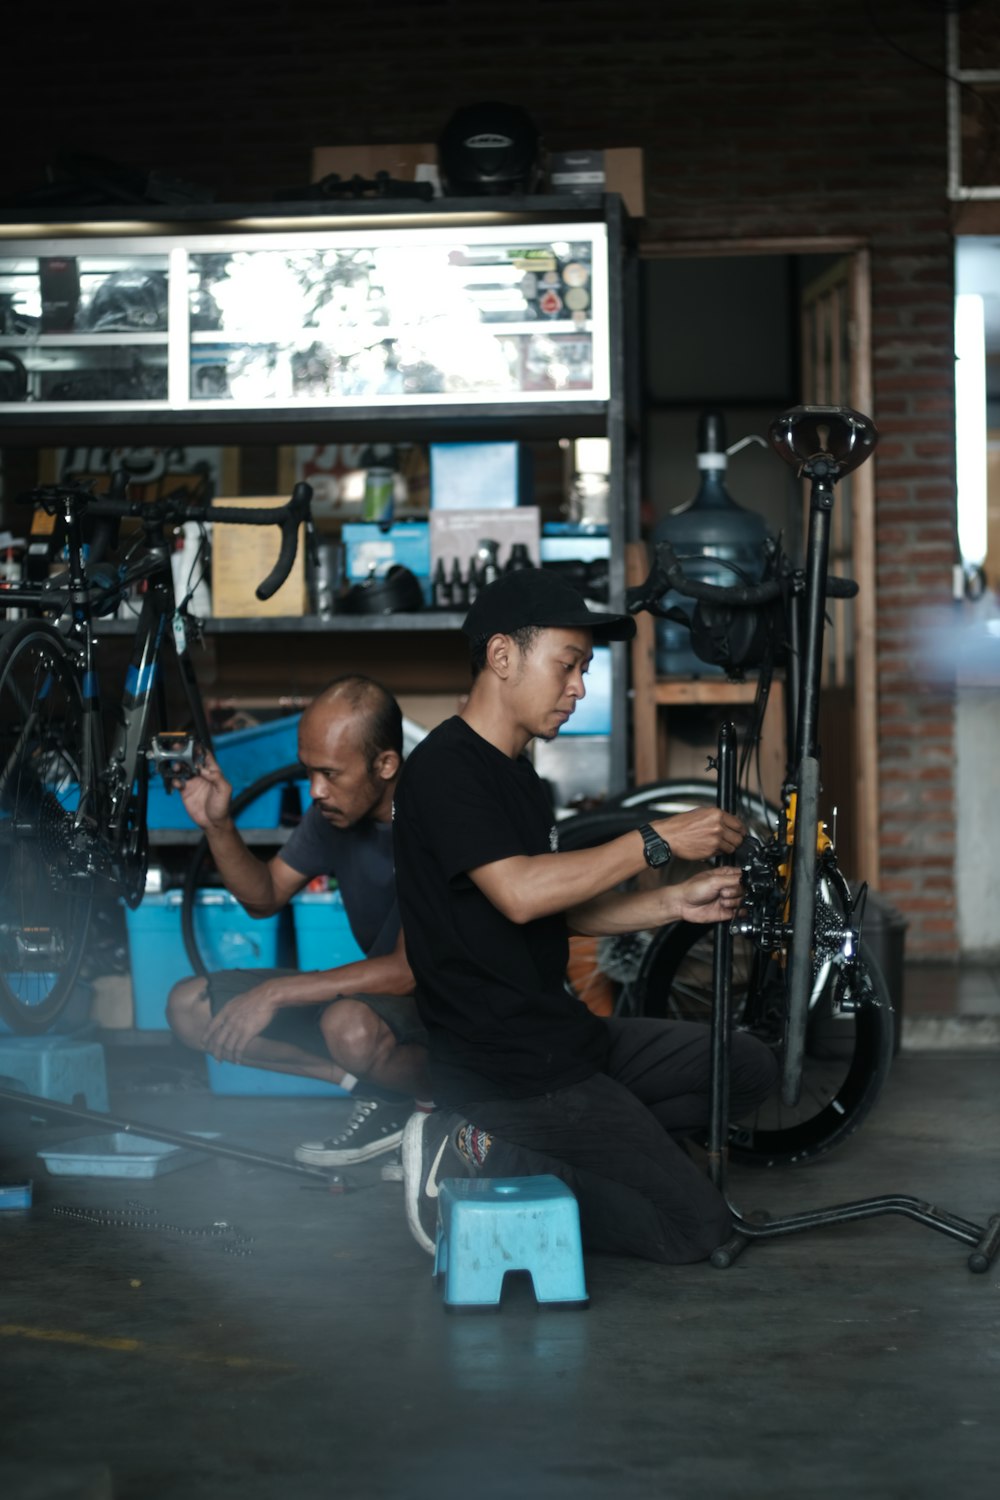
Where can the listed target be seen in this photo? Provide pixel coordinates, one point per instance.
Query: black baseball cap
(531, 596)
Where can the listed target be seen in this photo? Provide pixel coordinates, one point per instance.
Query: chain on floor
(229, 1238)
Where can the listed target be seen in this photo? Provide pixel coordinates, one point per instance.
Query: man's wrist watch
(657, 851)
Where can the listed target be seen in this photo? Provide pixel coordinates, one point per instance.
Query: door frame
(866, 788)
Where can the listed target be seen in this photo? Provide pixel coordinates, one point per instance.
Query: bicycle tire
(289, 773)
(846, 1060)
(671, 796)
(802, 916)
(46, 878)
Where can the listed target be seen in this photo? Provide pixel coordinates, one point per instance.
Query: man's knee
(753, 1069)
(355, 1036)
(188, 1011)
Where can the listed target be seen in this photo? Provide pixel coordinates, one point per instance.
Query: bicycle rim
(193, 878)
(46, 889)
(846, 1058)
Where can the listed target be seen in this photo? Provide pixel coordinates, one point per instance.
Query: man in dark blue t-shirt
(528, 1079)
(355, 1024)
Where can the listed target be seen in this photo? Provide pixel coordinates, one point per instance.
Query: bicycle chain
(135, 1216)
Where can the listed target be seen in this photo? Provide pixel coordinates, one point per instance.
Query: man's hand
(701, 834)
(715, 896)
(238, 1022)
(207, 796)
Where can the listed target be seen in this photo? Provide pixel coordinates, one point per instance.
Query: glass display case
(378, 317)
(82, 326)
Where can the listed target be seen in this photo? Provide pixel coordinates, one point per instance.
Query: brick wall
(758, 118)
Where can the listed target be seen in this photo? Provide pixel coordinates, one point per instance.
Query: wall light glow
(970, 426)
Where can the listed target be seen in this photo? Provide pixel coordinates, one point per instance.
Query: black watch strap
(655, 848)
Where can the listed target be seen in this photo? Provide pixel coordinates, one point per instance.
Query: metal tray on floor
(119, 1154)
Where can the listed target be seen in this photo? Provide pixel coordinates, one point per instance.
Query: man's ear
(387, 764)
(499, 655)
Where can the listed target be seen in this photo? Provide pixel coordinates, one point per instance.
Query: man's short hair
(524, 638)
(381, 716)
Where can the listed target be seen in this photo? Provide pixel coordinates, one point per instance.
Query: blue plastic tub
(228, 938)
(237, 1079)
(246, 754)
(323, 936)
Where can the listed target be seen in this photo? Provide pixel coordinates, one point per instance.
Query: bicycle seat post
(722, 999)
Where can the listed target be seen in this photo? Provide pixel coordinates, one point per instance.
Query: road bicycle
(74, 764)
(804, 979)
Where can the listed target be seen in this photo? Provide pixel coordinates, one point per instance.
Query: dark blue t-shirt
(361, 861)
(491, 992)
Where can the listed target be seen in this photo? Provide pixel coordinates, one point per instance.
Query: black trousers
(610, 1138)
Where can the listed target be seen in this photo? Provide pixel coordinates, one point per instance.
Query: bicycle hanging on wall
(74, 766)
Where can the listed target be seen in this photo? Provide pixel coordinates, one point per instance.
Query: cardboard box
(243, 556)
(477, 476)
(371, 546)
(406, 163)
(614, 169)
(457, 533)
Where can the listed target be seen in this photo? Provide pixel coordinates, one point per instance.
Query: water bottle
(708, 532)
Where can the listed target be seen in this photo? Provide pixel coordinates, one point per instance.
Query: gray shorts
(299, 1024)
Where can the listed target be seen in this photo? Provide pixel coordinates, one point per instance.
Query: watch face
(657, 849)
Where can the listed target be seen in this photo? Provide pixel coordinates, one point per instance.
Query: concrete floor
(862, 1360)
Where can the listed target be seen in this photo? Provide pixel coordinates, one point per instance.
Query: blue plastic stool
(489, 1226)
(56, 1067)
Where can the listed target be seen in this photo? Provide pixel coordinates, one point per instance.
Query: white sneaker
(373, 1128)
(429, 1155)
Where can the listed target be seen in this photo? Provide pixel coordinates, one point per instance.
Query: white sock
(348, 1083)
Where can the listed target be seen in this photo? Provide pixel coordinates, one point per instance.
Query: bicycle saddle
(823, 442)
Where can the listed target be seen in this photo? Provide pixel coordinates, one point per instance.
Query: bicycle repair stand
(986, 1241)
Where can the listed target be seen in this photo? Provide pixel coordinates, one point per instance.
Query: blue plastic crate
(237, 1079)
(246, 754)
(323, 936)
(227, 936)
(57, 1067)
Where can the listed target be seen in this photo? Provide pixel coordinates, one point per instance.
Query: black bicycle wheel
(846, 1056)
(46, 873)
(802, 915)
(195, 870)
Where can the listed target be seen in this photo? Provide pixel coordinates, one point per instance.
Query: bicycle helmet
(489, 148)
(131, 300)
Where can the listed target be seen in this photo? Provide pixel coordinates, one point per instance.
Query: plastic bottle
(441, 587)
(708, 532)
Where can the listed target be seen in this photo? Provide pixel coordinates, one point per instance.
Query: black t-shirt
(360, 859)
(491, 992)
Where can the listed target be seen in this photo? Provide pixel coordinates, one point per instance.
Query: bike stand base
(985, 1240)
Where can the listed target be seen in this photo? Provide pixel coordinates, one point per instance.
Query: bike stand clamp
(985, 1239)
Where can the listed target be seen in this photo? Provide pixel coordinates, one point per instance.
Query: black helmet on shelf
(489, 148)
(134, 301)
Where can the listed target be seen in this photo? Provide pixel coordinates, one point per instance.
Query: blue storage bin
(323, 936)
(35, 987)
(166, 810)
(245, 754)
(236, 1079)
(228, 937)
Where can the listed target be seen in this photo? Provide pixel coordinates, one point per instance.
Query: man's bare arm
(712, 896)
(527, 886)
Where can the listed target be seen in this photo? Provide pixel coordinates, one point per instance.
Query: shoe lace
(359, 1114)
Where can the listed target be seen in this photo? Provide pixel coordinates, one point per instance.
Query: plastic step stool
(489, 1226)
(57, 1067)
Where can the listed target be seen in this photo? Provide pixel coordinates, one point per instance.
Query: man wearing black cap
(527, 1079)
